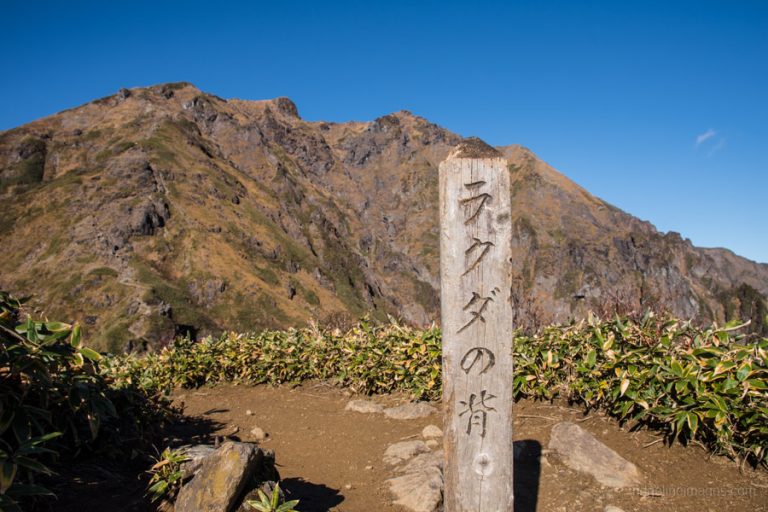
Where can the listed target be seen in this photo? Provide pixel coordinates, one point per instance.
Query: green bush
(367, 358)
(708, 385)
(702, 384)
(56, 404)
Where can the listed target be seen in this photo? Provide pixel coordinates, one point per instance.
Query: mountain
(164, 210)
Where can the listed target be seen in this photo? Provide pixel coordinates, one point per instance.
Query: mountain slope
(164, 210)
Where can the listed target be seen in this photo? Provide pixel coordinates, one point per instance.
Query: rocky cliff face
(164, 211)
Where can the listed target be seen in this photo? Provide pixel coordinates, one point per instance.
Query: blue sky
(660, 108)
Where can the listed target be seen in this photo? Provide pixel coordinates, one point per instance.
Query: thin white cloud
(720, 144)
(700, 139)
(711, 141)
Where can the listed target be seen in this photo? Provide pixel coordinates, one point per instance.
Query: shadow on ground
(117, 483)
(195, 430)
(313, 497)
(527, 473)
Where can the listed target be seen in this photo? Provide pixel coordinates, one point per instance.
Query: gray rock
(423, 461)
(221, 479)
(580, 451)
(611, 508)
(195, 455)
(147, 217)
(404, 450)
(206, 292)
(419, 488)
(431, 431)
(410, 411)
(364, 406)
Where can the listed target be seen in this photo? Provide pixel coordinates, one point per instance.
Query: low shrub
(707, 385)
(368, 359)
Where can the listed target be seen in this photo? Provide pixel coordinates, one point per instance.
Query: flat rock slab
(419, 488)
(221, 479)
(364, 406)
(582, 452)
(404, 450)
(410, 411)
(423, 461)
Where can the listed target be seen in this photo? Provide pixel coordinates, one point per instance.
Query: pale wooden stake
(475, 276)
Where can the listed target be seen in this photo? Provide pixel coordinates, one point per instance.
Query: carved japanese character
(478, 410)
(477, 244)
(480, 304)
(479, 199)
(481, 354)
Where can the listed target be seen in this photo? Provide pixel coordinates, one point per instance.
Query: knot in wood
(483, 464)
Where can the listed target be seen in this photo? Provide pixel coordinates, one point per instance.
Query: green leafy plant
(709, 385)
(22, 459)
(56, 404)
(166, 475)
(272, 503)
(46, 392)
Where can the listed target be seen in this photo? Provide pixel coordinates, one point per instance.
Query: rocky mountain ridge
(164, 210)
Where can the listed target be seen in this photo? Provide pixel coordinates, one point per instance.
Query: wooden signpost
(475, 274)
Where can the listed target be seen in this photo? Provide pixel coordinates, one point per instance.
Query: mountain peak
(166, 90)
(192, 214)
(286, 106)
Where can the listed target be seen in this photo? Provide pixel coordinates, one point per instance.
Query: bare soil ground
(323, 454)
(331, 459)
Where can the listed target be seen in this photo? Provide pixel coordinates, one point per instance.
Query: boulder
(404, 450)
(419, 488)
(364, 406)
(222, 478)
(582, 452)
(195, 454)
(410, 411)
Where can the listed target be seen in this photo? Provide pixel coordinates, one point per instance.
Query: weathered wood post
(475, 275)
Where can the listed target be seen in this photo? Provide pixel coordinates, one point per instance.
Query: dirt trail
(331, 459)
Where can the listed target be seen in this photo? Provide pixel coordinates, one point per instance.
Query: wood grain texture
(475, 248)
